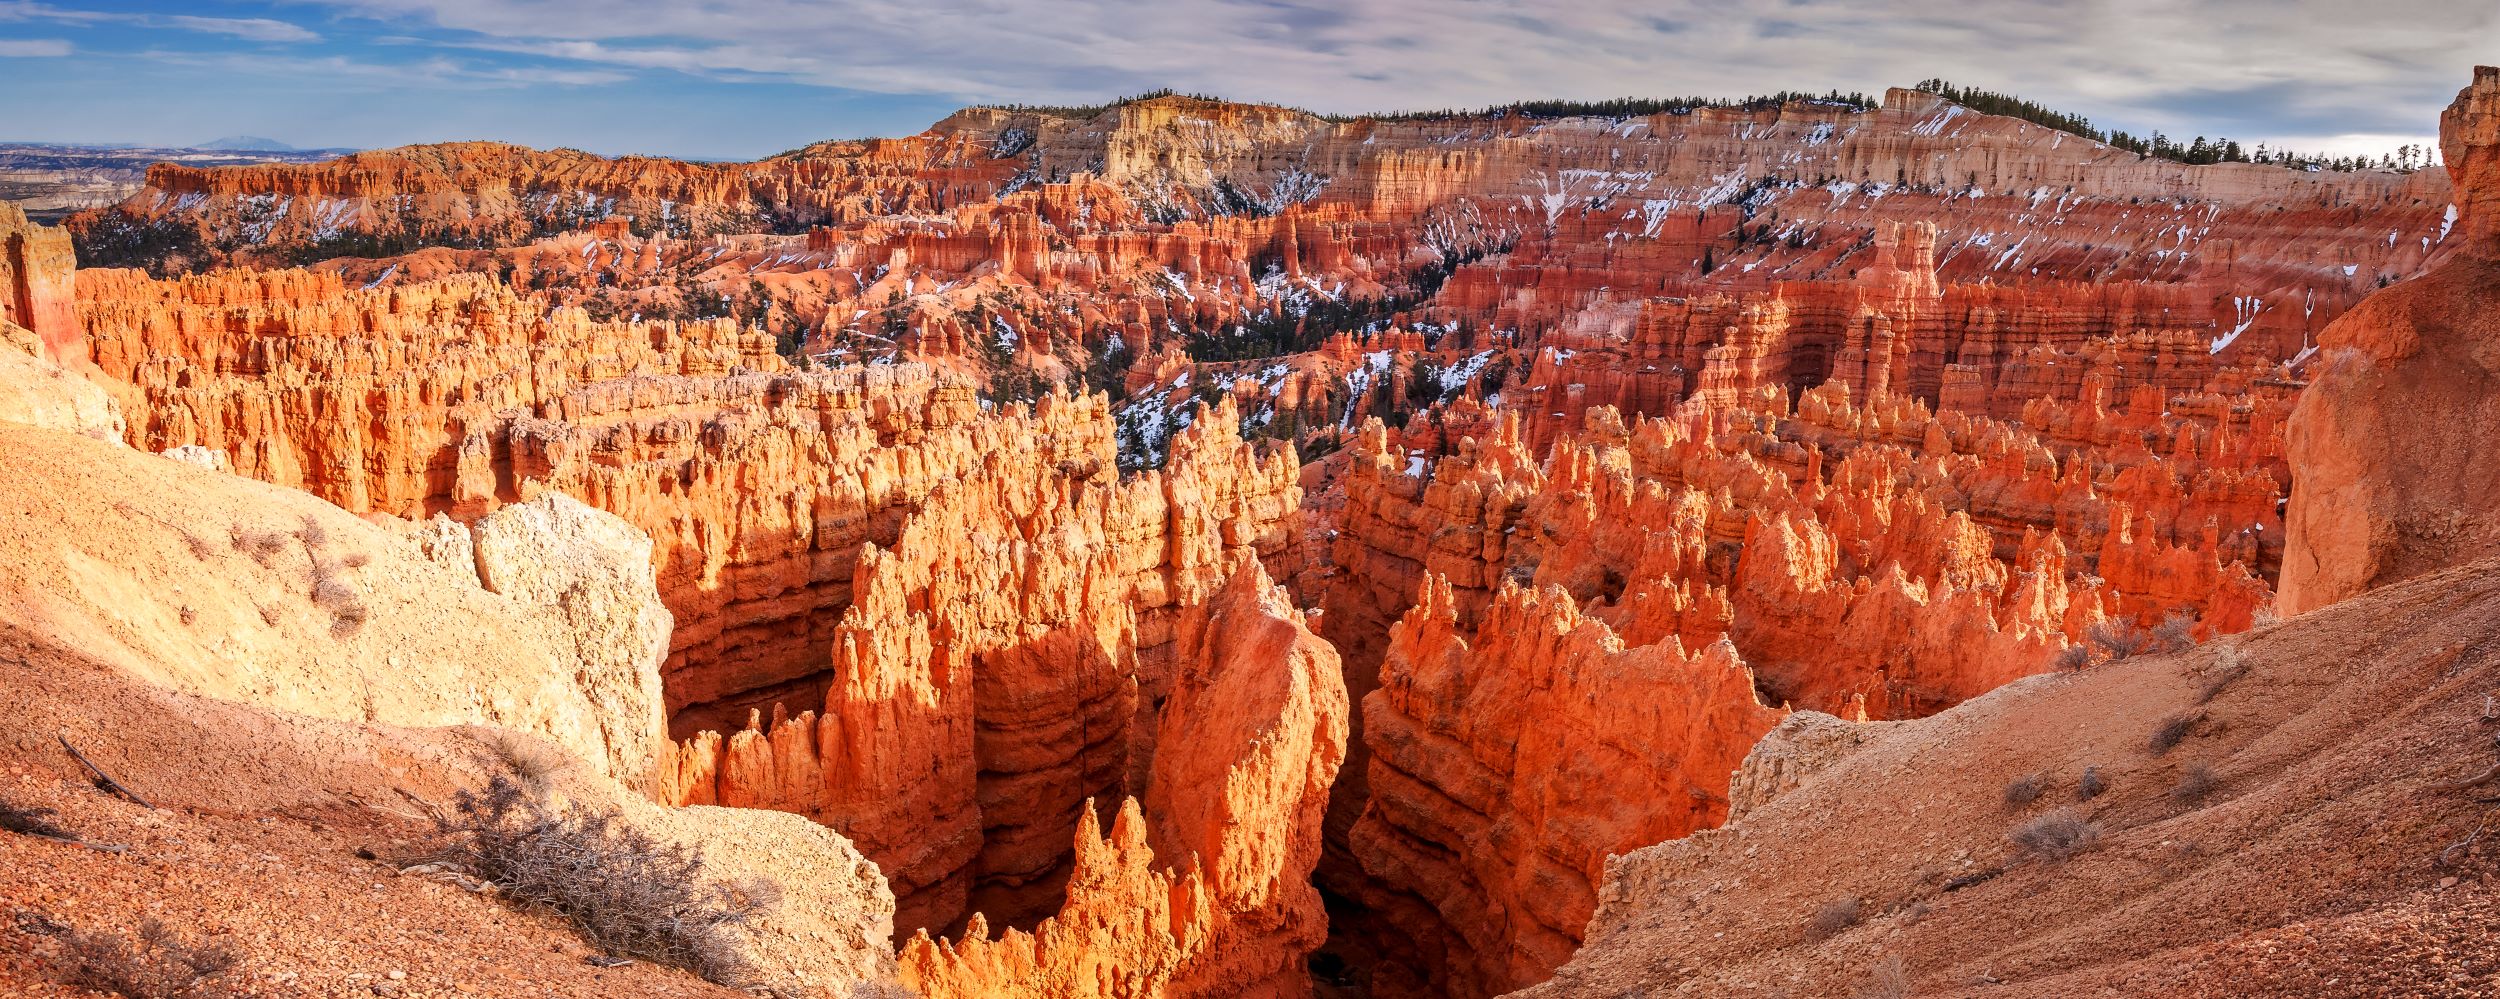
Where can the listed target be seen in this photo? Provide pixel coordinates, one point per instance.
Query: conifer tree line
(2198, 152)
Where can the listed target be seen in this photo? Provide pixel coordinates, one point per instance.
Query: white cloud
(258, 29)
(432, 73)
(33, 48)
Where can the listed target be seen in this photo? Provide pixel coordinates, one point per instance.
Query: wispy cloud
(2278, 64)
(257, 29)
(34, 48)
(437, 73)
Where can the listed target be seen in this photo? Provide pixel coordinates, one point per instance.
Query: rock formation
(2392, 484)
(236, 648)
(35, 286)
(1508, 763)
(1204, 890)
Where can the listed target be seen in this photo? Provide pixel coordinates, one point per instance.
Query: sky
(738, 79)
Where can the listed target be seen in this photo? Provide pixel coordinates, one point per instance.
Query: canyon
(1187, 548)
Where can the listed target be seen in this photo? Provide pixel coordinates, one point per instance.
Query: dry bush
(2171, 733)
(628, 893)
(2175, 633)
(532, 762)
(1890, 979)
(2091, 785)
(355, 560)
(2025, 790)
(2264, 617)
(2225, 672)
(31, 822)
(2053, 837)
(201, 548)
(2196, 783)
(262, 544)
(316, 537)
(332, 592)
(1833, 917)
(157, 964)
(2118, 639)
(2072, 658)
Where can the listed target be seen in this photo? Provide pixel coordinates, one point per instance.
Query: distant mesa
(252, 143)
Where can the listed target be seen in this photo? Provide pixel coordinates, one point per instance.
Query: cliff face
(1509, 762)
(2392, 482)
(36, 262)
(1205, 890)
(1002, 663)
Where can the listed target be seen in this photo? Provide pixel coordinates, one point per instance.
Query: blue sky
(745, 78)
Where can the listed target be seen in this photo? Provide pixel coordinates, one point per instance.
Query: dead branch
(2465, 843)
(104, 781)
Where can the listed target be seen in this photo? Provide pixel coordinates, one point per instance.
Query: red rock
(2392, 479)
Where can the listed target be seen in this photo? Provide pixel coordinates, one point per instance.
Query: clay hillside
(1796, 546)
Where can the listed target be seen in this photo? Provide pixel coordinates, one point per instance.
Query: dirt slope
(2312, 867)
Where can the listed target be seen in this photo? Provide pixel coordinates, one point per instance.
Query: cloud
(258, 29)
(33, 48)
(437, 73)
(2389, 62)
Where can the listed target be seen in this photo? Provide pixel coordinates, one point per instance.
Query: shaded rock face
(2392, 476)
(1509, 763)
(36, 293)
(1001, 664)
(1204, 889)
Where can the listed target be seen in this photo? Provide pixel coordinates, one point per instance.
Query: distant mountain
(251, 142)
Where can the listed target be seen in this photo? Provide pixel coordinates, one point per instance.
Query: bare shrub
(2025, 789)
(355, 560)
(2224, 673)
(2265, 617)
(1833, 917)
(2054, 837)
(316, 537)
(2090, 786)
(262, 544)
(628, 893)
(201, 548)
(2196, 783)
(2176, 632)
(1889, 979)
(2171, 733)
(332, 592)
(157, 964)
(2072, 659)
(31, 822)
(2118, 638)
(531, 762)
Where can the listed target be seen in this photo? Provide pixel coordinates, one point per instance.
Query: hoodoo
(2394, 478)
